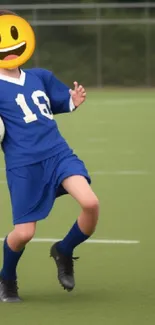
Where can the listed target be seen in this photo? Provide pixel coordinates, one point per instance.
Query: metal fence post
(34, 19)
(99, 48)
(148, 49)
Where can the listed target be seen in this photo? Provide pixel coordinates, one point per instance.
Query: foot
(65, 267)
(9, 291)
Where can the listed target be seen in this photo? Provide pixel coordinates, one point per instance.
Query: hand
(78, 94)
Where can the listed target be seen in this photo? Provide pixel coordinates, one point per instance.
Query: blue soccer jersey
(27, 106)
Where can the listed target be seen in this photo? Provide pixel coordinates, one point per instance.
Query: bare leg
(80, 190)
(21, 235)
(14, 247)
(62, 251)
(86, 223)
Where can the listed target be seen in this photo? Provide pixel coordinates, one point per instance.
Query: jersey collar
(18, 81)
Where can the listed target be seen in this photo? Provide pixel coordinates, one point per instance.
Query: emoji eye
(14, 32)
(0, 38)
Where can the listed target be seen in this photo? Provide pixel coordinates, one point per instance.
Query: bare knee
(91, 205)
(88, 219)
(26, 236)
(25, 232)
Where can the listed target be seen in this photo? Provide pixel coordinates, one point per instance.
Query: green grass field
(114, 134)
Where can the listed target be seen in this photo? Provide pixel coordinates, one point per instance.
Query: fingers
(76, 85)
(82, 91)
(80, 88)
(78, 92)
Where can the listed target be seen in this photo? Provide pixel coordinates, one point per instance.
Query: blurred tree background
(73, 1)
(116, 54)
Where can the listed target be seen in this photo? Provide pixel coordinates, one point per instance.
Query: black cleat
(9, 291)
(65, 267)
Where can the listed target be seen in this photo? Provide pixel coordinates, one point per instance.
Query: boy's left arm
(63, 99)
(77, 96)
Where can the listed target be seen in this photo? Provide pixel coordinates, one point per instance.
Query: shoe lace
(11, 287)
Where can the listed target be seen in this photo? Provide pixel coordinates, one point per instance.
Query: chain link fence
(98, 44)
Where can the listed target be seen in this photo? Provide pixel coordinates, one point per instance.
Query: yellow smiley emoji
(17, 41)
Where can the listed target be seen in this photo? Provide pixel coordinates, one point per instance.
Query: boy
(40, 166)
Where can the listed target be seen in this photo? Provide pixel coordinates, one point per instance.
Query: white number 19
(45, 109)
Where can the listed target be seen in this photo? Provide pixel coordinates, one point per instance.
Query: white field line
(123, 122)
(124, 101)
(102, 151)
(90, 241)
(91, 152)
(121, 172)
(97, 140)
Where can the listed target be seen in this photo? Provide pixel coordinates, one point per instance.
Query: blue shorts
(34, 188)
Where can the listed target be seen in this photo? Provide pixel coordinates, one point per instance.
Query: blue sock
(73, 239)
(10, 262)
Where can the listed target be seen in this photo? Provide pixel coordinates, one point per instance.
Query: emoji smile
(12, 52)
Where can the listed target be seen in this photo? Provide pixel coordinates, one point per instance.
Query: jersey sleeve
(57, 92)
